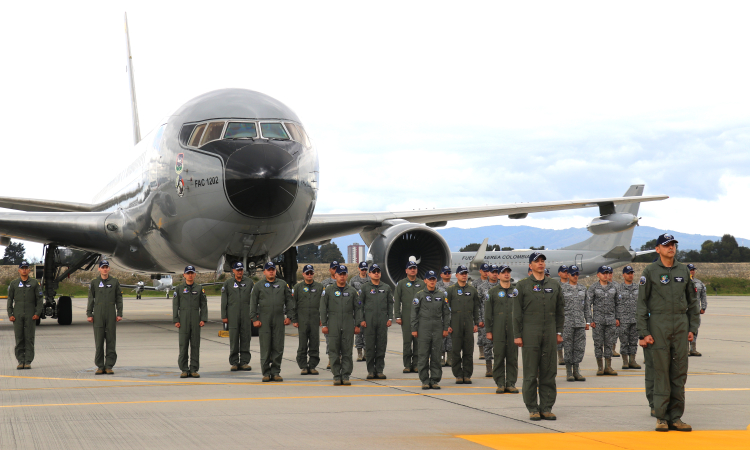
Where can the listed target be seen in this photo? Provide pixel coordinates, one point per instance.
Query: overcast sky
(410, 105)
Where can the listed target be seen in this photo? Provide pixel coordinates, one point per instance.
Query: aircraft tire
(64, 311)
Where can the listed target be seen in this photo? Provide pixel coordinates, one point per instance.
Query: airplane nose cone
(261, 180)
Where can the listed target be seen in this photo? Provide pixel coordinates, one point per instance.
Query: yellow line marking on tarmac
(640, 440)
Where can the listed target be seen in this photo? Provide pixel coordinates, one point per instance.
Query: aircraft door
(579, 262)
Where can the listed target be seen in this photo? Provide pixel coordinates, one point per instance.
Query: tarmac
(61, 404)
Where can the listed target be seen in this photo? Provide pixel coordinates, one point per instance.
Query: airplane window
(213, 132)
(196, 137)
(273, 131)
(185, 133)
(240, 130)
(304, 135)
(292, 128)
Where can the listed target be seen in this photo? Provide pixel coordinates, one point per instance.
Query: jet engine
(394, 246)
(612, 223)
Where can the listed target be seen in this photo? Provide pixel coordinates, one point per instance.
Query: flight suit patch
(275, 286)
(416, 301)
(548, 290)
(381, 290)
(185, 291)
(372, 291)
(643, 281)
(313, 290)
(501, 294)
(460, 292)
(305, 289)
(679, 280)
(664, 279)
(267, 285)
(536, 288)
(468, 294)
(428, 298)
(337, 294)
(346, 294)
(408, 284)
(514, 294)
(101, 284)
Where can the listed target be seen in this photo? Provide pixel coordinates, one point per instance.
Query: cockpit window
(292, 128)
(273, 131)
(213, 132)
(304, 135)
(241, 130)
(196, 137)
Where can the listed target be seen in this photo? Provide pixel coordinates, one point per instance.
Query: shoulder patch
(416, 301)
(643, 281)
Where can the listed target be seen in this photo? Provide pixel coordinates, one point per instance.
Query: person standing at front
(538, 317)
(189, 314)
(25, 305)
(104, 310)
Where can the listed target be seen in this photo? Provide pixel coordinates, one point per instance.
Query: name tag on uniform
(437, 299)
(679, 280)
(109, 285)
(381, 290)
(194, 293)
(548, 290)
(313, 290)
(468, 294)
(275, 286)
(416, 285)
(243, 284)
(346, 294)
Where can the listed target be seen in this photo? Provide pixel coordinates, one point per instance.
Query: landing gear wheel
(64, 311)
(137, 296)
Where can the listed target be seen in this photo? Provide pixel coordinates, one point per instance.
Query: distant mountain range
(525, 237)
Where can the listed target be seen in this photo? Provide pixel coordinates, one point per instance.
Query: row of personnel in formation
(661, 314)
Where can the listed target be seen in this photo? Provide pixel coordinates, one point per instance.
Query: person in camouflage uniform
(484, 278)
(604, 298)
(700, 290)
(628, 298)
(610, 275)
(327, 282)
(444, 283)
(356, 282)
(483, 294)
(562, 272)
(577, 321)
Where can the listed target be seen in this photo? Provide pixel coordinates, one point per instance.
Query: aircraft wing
(646, 252)
(135, 286)
(33, 205)
(83, 230)
(328, 226)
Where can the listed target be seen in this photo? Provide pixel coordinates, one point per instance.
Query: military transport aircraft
(230, 176)
(609, 246)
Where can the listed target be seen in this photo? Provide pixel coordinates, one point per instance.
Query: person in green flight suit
(668, 317)
(189, 314)
(269, 301)
(538, 317)
(307, 295)
(104, 310)
(235, 312)
(403, 295)
(25, 305)
(341, 314)
(498, 321)
(377, 308)
(464, 303)
(430, 321)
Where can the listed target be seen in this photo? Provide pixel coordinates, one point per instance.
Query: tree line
(491, 248)
(311, 253)
(724, 250)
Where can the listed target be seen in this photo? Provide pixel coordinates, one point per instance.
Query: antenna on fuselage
(131, 78)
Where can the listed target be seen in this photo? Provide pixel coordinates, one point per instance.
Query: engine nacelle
(394, 246)
(612, 223)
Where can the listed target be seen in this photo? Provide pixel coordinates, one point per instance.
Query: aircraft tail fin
(479, 257)
(610, 241)
(131, 79)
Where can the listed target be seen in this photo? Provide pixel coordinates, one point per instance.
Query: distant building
(355, 253)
